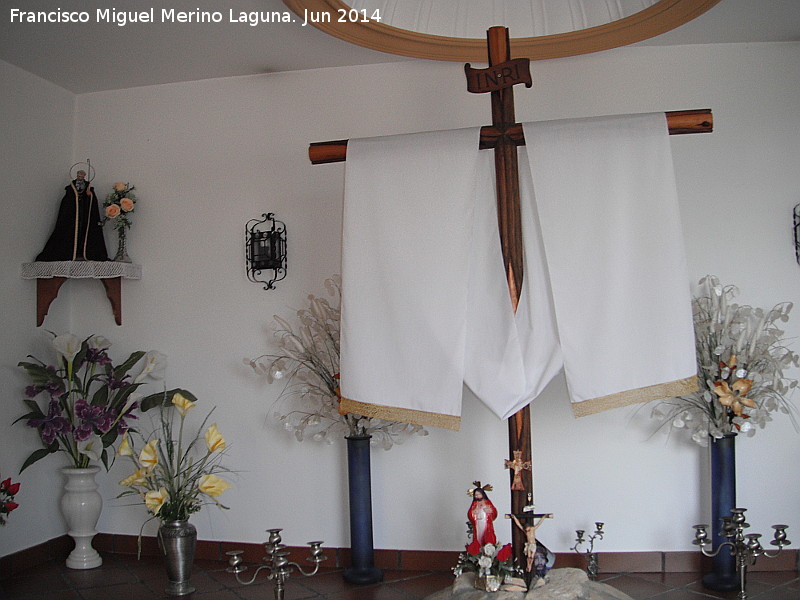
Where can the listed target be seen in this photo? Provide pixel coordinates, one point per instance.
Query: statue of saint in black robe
(78, 234)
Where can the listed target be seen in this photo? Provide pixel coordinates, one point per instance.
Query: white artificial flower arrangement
(741, 358)
(308, 359)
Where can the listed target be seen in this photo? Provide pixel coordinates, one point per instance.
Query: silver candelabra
(744, 546)
(276, 562)
(589, 553)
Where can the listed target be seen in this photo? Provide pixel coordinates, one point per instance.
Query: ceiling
(102, 56)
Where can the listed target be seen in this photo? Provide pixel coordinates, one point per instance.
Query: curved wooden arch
(647, 23)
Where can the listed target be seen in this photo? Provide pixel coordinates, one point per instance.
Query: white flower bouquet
(308, 358)
(741, 359)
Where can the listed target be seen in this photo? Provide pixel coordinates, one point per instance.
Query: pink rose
(119, 186)
(112, 211)
(126, 204)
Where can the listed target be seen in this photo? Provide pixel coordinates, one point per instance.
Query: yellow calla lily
(211, 485)
(138, 477)
(214, 439)
(183, 404)
(155, 499)
(148, 457)
(125, 446)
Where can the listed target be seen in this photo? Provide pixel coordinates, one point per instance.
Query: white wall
(36, 151)
(208, 156)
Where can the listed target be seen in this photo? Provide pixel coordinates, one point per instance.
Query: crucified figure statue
(530, 539)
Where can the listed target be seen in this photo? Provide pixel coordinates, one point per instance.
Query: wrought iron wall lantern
(265, 250)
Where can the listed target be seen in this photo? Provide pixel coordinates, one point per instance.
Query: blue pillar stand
(363, 570)
(723, 576)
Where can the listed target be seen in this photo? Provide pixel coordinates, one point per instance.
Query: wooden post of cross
(498, 80)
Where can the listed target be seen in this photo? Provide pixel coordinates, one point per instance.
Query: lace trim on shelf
(81, 269)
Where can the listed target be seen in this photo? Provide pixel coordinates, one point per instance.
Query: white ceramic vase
(81, 505)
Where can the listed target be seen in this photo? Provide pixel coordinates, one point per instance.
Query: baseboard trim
(409, 560)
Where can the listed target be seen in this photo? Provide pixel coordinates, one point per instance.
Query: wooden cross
(504, 135)
(499, 80)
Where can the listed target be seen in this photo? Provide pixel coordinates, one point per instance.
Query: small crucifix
(532, 549)
(518, 465)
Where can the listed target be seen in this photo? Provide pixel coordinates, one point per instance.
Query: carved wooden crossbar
(679, 122)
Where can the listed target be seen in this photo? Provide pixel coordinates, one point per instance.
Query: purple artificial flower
(83, 432)
(97, 356)
(106, 421)
(84, 410)
(122, 425)
(115, 384)
(51, 387)
(51, 425)
(92, 417)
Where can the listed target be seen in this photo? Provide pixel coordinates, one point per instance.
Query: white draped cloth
(426, 307)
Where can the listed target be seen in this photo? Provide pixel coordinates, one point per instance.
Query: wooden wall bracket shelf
(50, 276)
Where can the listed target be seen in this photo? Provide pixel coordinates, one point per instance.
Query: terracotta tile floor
(124, 577)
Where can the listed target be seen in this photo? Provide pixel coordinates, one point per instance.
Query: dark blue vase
(363, 570)
(723, 575)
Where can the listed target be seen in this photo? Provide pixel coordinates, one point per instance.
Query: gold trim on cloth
(671, 389)
(404, 415)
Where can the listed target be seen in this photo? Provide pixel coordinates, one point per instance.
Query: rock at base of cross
(560, 584)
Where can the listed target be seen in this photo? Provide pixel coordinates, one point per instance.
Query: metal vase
(122, 251)
(363, 570)
(488, 583)
(723, 575)
(177, 540)
(81, 506)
